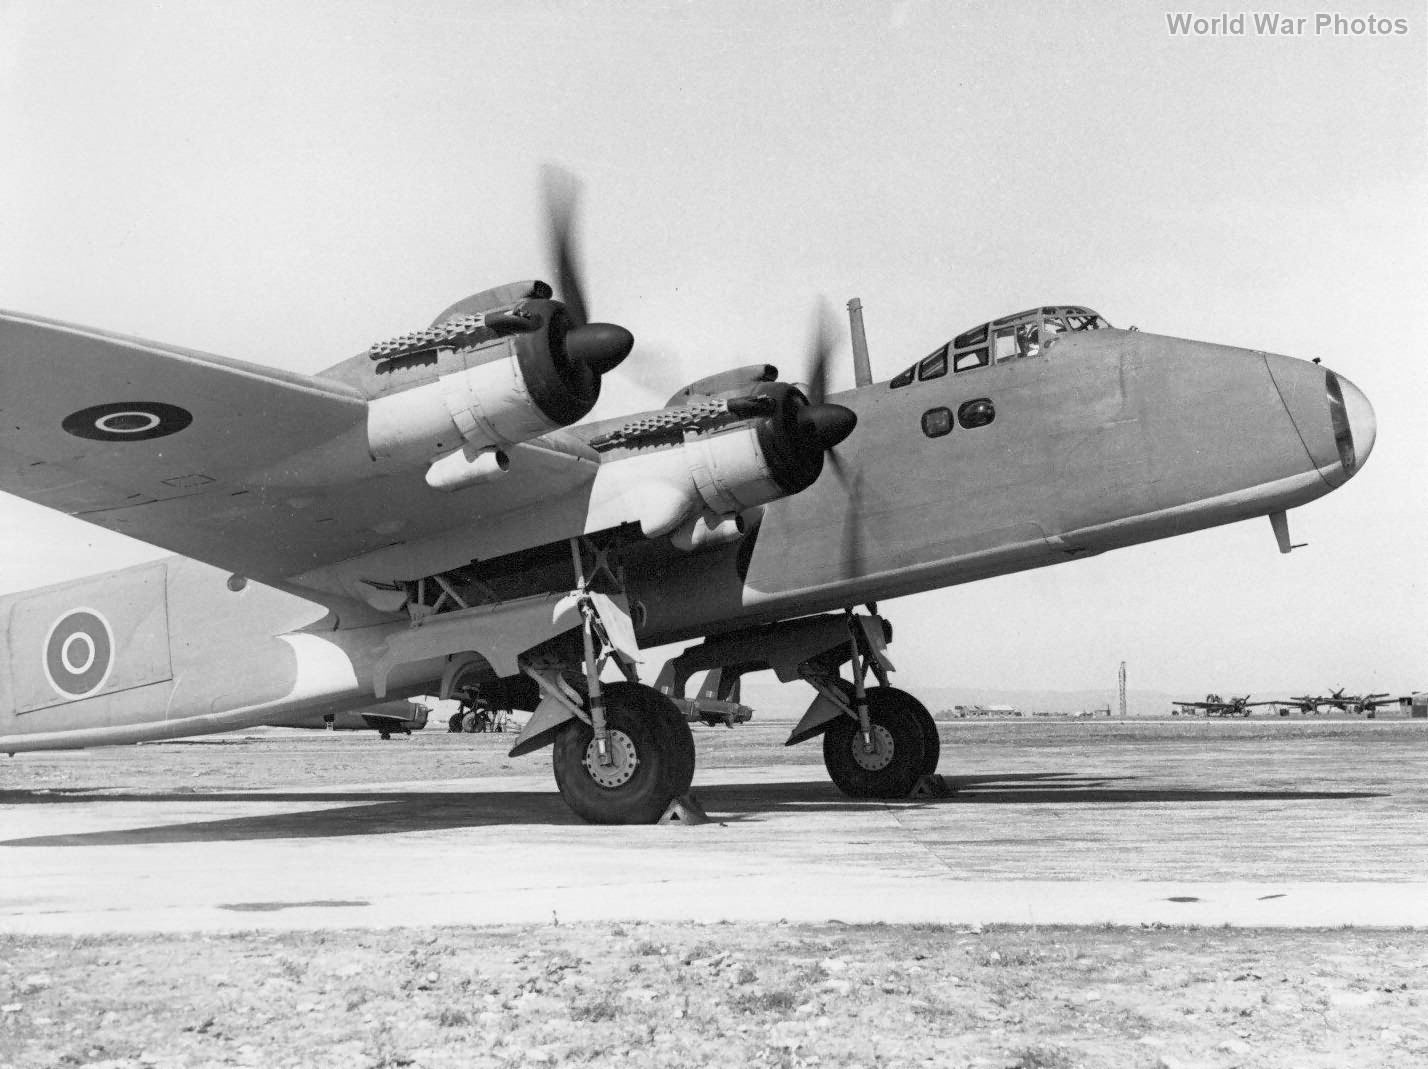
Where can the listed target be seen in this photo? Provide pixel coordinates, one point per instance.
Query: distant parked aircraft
(1346, 703)
(1214, 706)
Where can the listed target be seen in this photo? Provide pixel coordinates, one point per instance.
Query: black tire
(663, 748)
(453, 724)
(931, 742)
(895, 722)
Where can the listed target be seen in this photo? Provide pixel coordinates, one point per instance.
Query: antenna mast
(1123, 690)
(862, 370)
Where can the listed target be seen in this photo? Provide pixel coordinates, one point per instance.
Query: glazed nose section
(1355, 427)
(1334, 419)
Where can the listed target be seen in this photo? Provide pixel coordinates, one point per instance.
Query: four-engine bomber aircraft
(426, 517)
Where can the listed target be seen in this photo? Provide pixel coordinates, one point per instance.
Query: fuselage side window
(977, 413)
(936, 422)
(934, 366)
(903, 379)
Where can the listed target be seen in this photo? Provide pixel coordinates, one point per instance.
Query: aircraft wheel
(653, 753)
(931, 742)
(899, 748)
(453, 724)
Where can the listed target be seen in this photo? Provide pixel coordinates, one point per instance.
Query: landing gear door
(614, 614)
(875, 640)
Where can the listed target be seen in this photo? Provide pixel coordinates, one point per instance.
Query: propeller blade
(820, 348)
(561, 193)
(852, 535)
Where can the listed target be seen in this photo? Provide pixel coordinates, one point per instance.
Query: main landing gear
(878, 742)
(622, 752)
(905, 746)
(651, 763)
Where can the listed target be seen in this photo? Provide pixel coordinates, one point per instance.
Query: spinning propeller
(808, 427)
(824, 424)
(597, 346)
(798, 427)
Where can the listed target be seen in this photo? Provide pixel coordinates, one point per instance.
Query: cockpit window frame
(979, 357)
(976, 336)
(933, 365)
(980, 343)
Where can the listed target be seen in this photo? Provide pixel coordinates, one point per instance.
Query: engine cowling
(754, 450)
(503, 375)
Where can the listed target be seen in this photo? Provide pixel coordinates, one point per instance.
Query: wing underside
(195, 453)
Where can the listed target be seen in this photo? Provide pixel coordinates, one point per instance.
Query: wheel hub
(623, 761)
(882, 754)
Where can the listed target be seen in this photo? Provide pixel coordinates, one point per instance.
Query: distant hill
(772, 700)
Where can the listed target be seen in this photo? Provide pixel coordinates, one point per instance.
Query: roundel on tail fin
(78, 653)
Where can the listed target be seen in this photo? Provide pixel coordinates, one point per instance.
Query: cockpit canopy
(1030, 333)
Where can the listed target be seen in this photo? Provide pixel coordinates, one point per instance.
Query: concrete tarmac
(1018, 847)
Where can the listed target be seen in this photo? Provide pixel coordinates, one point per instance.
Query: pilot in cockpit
(1028, 340)
(1034, 338)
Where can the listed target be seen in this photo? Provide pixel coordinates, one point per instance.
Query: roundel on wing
(79, 652)
(127, 421)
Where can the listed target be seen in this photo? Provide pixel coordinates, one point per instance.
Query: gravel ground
(689, 995)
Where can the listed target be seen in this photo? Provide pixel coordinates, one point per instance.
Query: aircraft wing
(222, 460)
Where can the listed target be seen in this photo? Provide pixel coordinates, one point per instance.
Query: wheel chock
(931, 786)
(684, 810)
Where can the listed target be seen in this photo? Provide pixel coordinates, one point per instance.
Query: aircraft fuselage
(1120, 437)
(1115, 438)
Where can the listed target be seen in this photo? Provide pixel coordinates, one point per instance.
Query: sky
(287, 183)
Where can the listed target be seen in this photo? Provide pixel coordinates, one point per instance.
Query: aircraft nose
(1333, 417)
(1355, 426)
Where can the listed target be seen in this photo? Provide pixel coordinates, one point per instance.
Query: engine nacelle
(723, 473)
(504, 376)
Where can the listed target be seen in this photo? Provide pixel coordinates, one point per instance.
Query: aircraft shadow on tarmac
(377, 812)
